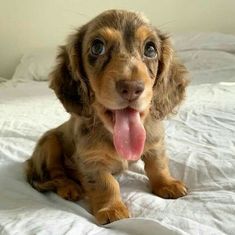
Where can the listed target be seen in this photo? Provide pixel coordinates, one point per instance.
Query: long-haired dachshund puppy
(118, 77)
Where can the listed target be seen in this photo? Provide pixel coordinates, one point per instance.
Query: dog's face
(120, 55)
(123, 69)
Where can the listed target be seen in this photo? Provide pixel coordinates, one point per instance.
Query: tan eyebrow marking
(109, 34)
(142, 33)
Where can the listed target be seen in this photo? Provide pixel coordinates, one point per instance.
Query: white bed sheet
(200, 141)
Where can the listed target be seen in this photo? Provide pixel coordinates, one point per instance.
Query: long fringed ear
(68, 79)
(170, 83)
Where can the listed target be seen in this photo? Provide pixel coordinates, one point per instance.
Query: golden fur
(78, 159)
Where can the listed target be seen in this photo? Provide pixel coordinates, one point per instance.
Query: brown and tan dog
(118, 78)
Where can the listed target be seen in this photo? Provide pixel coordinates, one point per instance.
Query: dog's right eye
(150, 50)
(97, 48)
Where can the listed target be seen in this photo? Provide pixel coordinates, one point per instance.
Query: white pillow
(204, 41)
(209, 57)
(209, 66)
(36, 65)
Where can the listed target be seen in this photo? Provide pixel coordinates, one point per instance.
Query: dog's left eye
(150, 50)
(97, 47)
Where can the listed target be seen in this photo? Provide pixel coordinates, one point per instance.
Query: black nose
(129, 90)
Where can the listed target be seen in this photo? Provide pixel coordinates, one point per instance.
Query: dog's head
(121, 67)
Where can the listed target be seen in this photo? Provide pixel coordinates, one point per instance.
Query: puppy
(119, 78)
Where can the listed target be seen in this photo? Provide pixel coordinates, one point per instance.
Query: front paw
(170, 189)
(112, 212)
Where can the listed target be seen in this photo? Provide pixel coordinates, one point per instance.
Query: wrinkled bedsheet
(200, 141)
(201, 144)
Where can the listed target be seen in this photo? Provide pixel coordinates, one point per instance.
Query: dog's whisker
(84, 15)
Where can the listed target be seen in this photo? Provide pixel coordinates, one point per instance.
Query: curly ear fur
(68, 79)
(170, 84)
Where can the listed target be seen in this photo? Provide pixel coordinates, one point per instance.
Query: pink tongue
(129, 134)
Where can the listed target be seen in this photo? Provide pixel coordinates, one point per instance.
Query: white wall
(29, 24)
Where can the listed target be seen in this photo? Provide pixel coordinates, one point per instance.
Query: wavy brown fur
(78, 158)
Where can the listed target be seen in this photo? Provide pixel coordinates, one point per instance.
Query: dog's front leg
(162, 183)
(104, 197)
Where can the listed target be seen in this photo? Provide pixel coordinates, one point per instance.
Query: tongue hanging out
(129, 134)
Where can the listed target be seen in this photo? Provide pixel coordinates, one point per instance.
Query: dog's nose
(130, 90)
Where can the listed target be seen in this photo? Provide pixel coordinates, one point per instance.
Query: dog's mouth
(128, 132)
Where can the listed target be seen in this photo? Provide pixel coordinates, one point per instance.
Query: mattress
(200, 142)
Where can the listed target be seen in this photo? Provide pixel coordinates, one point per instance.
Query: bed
(200, 141)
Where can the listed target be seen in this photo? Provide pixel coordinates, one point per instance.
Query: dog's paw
(113, 212)
(70, 191)
(171, 189)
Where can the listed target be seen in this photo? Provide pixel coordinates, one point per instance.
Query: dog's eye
(150, 50)
(97, 48)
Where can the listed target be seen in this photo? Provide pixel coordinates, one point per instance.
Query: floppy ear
(170, 83)
(68, 79)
